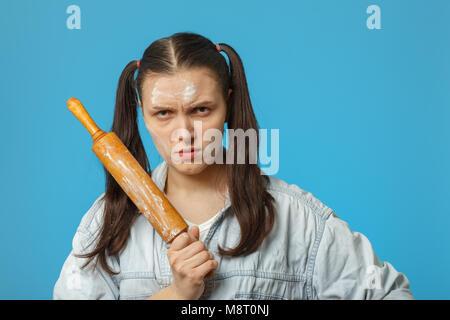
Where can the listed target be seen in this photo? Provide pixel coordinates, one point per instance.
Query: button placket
(211, 242)
(166, 272)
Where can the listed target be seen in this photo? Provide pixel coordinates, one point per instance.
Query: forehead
(180, 88)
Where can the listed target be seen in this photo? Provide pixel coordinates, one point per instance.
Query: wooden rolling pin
(133, 179)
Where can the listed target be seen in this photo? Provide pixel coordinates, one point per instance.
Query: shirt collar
(159, 177)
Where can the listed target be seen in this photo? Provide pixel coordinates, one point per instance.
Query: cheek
(212, 128)
(217, 121)
(161, 139)
(156, 132)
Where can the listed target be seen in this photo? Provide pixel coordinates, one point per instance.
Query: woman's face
(178, 110)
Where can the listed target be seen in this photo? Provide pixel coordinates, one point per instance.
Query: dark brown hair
(250, 201)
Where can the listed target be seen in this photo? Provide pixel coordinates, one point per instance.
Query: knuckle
(202, 245)
(178, 268)
(173, 259)
(193, 277)
(199, 245)
(205, 255)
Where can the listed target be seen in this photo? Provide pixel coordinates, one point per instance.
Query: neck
(211, 179)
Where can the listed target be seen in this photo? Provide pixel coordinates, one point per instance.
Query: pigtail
(120, 211)
(248, 193)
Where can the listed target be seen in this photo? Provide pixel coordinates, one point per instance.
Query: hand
(190, 262)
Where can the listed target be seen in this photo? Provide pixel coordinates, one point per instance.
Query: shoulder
(286, 194)
(92, 220)
(296, 205)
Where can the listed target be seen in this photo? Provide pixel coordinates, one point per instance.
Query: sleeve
(75, 283)
(346, 267)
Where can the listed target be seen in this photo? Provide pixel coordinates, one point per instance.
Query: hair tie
(138, 63)
(218, 47)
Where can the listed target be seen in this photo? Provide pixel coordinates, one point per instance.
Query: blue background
(363, 116)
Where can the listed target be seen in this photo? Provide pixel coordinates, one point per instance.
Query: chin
(189, 168)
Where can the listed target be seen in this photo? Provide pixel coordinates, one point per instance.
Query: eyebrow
(192, 106)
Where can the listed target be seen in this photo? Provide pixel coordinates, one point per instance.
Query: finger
(194, 231)
(198, 259)
(191, 250)
(206, 267)
(181, 241)
(210, 274)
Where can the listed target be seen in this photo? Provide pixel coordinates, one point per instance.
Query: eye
(162, 114)
(202, 110)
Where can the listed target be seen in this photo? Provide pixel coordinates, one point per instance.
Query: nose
(184, 131)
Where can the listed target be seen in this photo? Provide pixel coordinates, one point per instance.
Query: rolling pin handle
(78, 110)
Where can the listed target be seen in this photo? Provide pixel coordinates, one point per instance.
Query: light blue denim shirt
(309, 254)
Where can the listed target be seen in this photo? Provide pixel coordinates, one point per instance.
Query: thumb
(195, 232)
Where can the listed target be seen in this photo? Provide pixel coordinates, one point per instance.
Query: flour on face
(186, 92)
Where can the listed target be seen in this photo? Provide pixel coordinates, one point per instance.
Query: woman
(251, 236)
